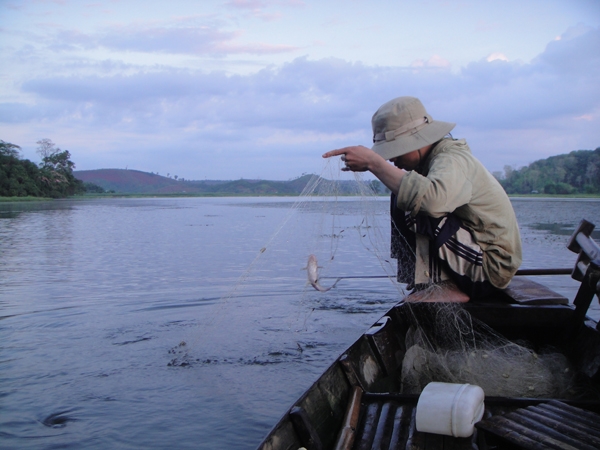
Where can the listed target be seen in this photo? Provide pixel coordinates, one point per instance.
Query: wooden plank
(415, 439)
(335, 389)
(547, 428)
(361, 365)
(568, 422)
(305, 429)
(589, 419)
(347, 434)
(401, 426)
(283, 437)
(369, 426)
(584, 351)
(528, 292)
(325, 404)
(520, 316)
(516, 434)
(501, 405)
(552, 425)
(380, 432)
(384, 341)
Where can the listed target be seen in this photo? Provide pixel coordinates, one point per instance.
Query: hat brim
(402, 145)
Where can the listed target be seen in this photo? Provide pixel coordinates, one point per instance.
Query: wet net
(446, 344)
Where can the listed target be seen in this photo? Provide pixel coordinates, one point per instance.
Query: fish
(312, 270)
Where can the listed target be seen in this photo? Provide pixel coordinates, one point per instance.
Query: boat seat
(525, 291)
(548, 425)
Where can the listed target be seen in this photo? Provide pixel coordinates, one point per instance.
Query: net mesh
(447, 344)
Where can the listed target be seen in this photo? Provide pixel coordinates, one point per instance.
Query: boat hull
(386, 418)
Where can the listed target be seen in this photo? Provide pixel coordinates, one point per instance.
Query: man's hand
(361, 159)
(356, 157)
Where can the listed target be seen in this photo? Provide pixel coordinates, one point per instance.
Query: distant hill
(131, 181)
(137, 182)
(577, 172)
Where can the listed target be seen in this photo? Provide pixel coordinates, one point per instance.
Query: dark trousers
(452, 250)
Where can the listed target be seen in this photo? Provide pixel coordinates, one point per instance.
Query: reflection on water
(155, 323)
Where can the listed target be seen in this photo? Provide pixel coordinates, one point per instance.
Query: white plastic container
(450, 409)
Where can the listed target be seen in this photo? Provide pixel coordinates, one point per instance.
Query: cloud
(247, 4)
(576, 51)
(518, 111)
(255, 8)
(305, 94)
(434, 61)
(193, 40)
(255, 5)
(559, 83)
(258, 8)
(262, 4)
(496, 56)
(185, 36)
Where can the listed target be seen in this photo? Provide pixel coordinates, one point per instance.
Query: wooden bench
(524, 291)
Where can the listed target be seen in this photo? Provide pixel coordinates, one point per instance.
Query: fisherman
(450, 217)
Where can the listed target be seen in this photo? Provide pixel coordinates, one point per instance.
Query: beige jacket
(453, 180)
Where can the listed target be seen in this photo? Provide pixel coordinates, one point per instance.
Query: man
(448, 212)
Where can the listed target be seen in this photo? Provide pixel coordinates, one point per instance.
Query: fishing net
(339, 218)
(363, 224)
(445, 343)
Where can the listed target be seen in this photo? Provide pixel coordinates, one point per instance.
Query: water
(187, 323)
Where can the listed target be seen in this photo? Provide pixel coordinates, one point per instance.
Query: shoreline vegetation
(209, 195)
(572, 175)
(51, 178)
(25, 199)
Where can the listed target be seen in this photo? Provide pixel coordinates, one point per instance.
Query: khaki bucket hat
(402, 125)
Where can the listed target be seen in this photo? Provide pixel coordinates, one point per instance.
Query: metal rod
(564, 271)
(555, 271)
(357, 276)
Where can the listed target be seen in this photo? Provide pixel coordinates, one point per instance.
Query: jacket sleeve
(445, 188)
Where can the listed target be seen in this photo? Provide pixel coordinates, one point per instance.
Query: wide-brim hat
(402, 125)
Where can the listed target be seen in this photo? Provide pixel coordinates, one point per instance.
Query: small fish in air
(312, 269)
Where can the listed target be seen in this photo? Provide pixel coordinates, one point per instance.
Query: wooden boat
(357, 403)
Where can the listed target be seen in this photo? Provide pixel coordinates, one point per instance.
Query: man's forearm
(390, 176)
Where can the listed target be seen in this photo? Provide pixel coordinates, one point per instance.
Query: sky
(262, 88)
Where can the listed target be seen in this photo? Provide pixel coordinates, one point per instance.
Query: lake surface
(187, 322)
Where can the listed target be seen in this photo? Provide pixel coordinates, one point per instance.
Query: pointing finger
(334, 153)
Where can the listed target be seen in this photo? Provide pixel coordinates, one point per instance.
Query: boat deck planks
(548, 425)
(389, 423)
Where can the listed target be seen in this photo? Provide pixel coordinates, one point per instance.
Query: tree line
(577, 172)
(53, 177)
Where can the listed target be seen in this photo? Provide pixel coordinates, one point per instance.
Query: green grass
(24, 199)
